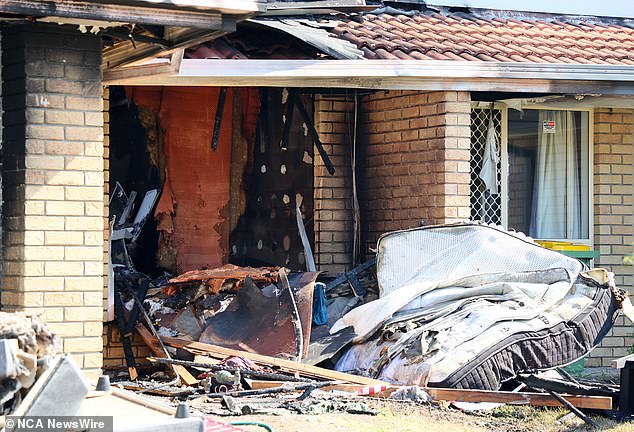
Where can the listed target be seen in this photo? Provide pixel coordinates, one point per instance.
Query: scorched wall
(193, 208)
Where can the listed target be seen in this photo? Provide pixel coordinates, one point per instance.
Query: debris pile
(26, 346)
(462, 313)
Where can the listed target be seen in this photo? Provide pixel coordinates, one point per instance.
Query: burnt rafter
(180, 17)
(124, 53)
(311, 128)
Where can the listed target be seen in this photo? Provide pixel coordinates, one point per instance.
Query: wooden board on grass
(459, 395)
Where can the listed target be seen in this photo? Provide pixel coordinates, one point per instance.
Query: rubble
(26, 348)
(406, 325)
(31, 331)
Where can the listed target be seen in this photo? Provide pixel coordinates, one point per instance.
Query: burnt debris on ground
(466, 313)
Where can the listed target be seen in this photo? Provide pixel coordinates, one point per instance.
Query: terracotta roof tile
(417, 55)
(461, 36)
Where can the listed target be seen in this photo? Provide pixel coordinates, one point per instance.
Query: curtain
(556, 209)
(489, 174)
(490, 159)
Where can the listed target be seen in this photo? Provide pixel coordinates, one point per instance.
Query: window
(530, 171)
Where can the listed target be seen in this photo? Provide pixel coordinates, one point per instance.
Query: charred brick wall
(417, 164)
(52, 215)
(413, 167)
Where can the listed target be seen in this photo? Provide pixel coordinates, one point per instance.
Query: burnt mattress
(471, 306)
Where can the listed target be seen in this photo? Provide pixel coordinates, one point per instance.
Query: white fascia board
(396, 74)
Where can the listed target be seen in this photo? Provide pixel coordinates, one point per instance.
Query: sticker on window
(548, 126)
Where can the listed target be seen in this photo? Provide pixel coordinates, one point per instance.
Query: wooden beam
(151, 342)
(286, 365)
(316, 7)
(120, 13)
(124, 52)
(225, 6)
(456, 395)
(148, 70)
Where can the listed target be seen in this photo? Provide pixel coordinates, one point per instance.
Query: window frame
(504, 160)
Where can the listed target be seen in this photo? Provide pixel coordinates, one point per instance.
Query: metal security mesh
(485, 206)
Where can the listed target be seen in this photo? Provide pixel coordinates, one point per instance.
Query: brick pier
(54, 183)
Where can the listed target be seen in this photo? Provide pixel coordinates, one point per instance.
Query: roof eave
(388, 75)
(159, 12)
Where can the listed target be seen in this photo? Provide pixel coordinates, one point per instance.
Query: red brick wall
(417, 166)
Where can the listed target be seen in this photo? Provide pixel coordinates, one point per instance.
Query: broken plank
(220, 108)
(200, 358)
(461, 395)
(150, 391)
(287, 365)
(518, 398)
(315, 135)
(150, 341)
(351, 388)
(134, 374)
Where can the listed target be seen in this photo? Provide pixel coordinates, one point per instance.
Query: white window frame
(504, 161)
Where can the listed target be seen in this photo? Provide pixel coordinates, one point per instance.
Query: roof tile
(467, 37)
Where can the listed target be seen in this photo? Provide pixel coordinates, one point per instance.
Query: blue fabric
(320, 313)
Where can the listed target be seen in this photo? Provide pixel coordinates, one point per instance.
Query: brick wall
(414, 148)
(417, 165)
(53, 209)
(613, 188)
(106, 200)
(333, 193)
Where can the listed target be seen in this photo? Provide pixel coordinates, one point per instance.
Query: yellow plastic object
(563, 246)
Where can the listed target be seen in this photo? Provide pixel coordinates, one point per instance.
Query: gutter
(390, 74)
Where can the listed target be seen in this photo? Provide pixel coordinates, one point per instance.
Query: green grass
(403, 417)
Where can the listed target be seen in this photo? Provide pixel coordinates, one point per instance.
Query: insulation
(192, 213)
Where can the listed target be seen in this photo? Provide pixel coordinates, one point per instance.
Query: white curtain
(490, 159)
(556, 209)
(489, 175)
